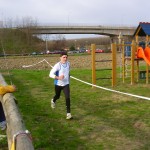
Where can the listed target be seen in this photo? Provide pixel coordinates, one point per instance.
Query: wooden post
(137, 64)
(114, 51)
(147, 73)
(137, 39)
(123, 62)
(93, 47)
(147, 66)
(14, 122)
(132, 61)
(147, 40)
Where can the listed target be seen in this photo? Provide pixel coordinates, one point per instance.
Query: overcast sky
(78, 12)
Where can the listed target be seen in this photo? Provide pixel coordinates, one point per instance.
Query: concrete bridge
(100, 30)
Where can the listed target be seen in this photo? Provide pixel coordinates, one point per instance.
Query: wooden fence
(18, 136)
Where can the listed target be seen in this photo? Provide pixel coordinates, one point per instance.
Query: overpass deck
(101, 30)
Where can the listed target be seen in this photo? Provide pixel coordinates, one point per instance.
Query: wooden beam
(93, 47)
(114, 62)
(15, 125)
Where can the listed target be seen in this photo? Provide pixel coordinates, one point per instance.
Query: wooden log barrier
(17, 134)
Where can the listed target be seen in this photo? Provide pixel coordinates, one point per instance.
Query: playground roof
(143, 29)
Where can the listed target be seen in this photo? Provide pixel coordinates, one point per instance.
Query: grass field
(103, 120)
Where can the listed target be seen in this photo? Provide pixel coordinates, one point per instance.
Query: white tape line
(33, 64)
(115, 91)
(143, 97)
(48, 63)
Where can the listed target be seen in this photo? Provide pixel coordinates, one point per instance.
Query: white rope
(115, 91)
(35, 64)
(107, 89)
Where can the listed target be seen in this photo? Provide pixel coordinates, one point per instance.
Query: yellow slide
(145, 54)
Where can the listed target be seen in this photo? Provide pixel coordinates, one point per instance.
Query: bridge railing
(18, 136)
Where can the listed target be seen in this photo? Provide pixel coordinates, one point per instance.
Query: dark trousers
(66, 90)
(2, 115)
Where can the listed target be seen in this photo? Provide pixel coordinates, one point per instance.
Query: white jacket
(61, 69)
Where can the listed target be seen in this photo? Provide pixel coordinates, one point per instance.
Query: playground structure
(93, 48)
(131, 56)
(143, 30)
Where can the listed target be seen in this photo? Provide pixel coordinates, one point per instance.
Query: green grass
(3, 143)
(102, 120)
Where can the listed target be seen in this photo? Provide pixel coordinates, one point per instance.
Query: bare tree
(59, 42)
(28, 23)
